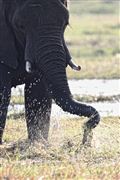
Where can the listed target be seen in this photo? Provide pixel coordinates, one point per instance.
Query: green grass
(19, 160)
(100, 68)
(80, 7)
(93, 39)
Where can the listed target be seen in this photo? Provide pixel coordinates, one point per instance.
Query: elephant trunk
(58, 85)
(70, 105)
(50, 60)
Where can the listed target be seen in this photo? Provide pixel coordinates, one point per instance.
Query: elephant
(32, 36)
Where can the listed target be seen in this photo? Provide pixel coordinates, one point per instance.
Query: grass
(93, 39)
(100, 68)
(19, 100)
(19, 160)
(94, 7)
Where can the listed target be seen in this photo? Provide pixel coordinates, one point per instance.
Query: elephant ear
(8, 52)
(27, 17)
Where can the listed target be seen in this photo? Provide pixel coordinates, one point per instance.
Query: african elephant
(33, 31)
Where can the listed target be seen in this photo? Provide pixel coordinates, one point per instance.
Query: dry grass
(99, 69)
(93, 39)
(65, 158)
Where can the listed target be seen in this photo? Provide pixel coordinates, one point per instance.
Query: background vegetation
(93, 38)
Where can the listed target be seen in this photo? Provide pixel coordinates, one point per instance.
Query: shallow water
(105, 109)
(95, 87)
(85, 87)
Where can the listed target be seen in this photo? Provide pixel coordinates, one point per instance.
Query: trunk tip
(93, 120)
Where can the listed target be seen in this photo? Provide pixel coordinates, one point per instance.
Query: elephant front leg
(38, 110)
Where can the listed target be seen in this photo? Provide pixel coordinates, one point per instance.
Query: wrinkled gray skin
(38, 28)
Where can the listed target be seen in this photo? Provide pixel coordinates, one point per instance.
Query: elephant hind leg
(38, 110)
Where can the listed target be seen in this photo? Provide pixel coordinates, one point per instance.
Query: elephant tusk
(74, 66)
(28, 67)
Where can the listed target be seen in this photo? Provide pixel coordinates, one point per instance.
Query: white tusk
(74, 66)
(28, 67)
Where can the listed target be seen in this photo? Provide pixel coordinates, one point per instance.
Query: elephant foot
(1, 135)
(1, 142)
(87, 136)
(38, 140)
(38, 135)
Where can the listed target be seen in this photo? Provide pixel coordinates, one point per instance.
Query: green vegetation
(80, 7)
(20, 160)
(93, 39)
